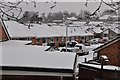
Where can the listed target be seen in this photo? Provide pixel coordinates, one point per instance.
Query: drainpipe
(116, 75)
(66, 24)
(75, 66)
(61, 77)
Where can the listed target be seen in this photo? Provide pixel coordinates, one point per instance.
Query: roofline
(36, 69)
(29, 73)
(95, 68)
(4, 27)
(107, 44)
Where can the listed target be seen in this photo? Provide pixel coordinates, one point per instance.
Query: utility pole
(66, 24)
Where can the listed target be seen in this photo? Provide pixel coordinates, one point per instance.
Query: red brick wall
(89, 73)
(79, 39)
(41, 41)
(3, 36)
(60, 39)
(48, 40)
(113, 53)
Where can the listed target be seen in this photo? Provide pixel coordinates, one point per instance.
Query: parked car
(63, 49)
(72, 43)
(80, 49)
(94, 41)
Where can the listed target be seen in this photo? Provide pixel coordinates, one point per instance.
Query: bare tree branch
(13, 18)
(113, 5)
(97, 9)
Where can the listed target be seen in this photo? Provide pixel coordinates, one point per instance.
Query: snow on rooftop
(81, 60)
(93, 46)
(107, 67)
(72, 31)
(88, 57)
(97, 30)
(18, 30)
(14, 53)
(104, 57)
(91, 23)
(105, 17)
(96, 22)
(116, 30)
(72, 18)
(45, 31)
(78, 31)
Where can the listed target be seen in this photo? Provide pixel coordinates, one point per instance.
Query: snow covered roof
(17, 30)
(81, 61)
(45, 31)
(72, 18)
(105, 67)
(105, 17)
(93, 46)
(72, 31)
(79, 23)
(97, 30)
(91, 22)
(116, 30)
(107, 44)
(96, 22)
(78, 31)
(104, 57)
(15, 53)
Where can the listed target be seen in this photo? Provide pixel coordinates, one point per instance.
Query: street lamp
(66, 24)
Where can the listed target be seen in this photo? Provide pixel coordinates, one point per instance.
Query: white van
(81, 49)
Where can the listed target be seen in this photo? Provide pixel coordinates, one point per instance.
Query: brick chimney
(34, 41)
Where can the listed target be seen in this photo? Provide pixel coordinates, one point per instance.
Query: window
(105, 35)
(38, 40)
(44, 40)
(51, 39)
(57, 39)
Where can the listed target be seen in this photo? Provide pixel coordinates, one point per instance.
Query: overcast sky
(42, 7)
(62, 0)
(63, 5)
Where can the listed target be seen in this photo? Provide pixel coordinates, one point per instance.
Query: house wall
(3, 36)
(57, 40)
(90, 73)
(31, 77)
(39, 41)
(112, 52)
(112, 34)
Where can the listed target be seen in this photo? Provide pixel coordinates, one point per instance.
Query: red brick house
(44, 34)
(112, 50)
(3, 32)
(110, 33)
(94, 72)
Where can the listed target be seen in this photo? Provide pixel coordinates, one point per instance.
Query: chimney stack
(34, 41)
